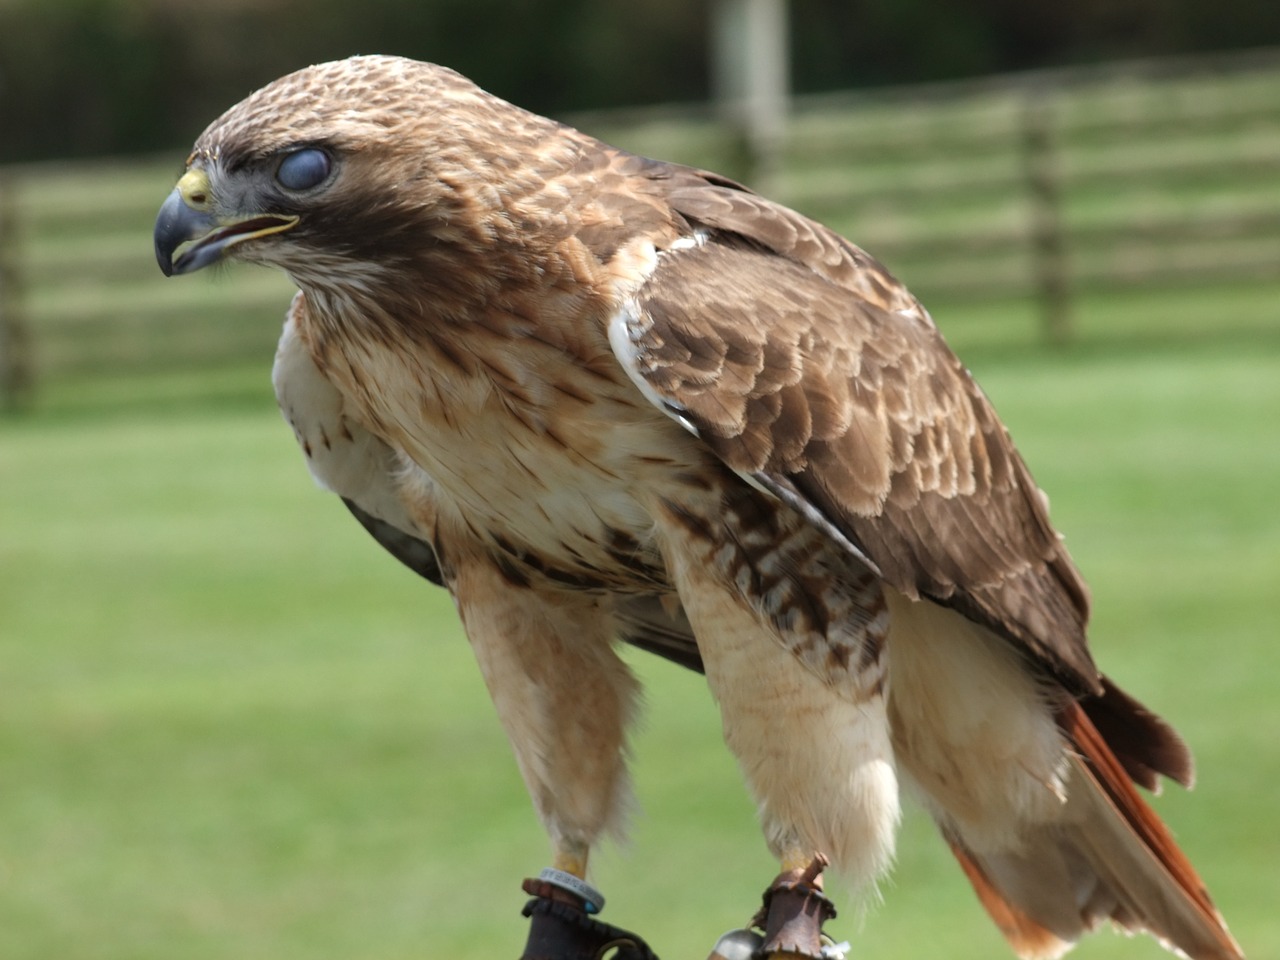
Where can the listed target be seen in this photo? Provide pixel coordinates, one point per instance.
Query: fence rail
(1046, 185)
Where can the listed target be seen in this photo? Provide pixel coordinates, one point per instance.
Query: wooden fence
(1049, 186)
(1060, 183)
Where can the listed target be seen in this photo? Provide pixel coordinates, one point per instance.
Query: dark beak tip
(165, 261)
(176, 223)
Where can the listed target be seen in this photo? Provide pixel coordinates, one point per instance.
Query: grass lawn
(231, 728)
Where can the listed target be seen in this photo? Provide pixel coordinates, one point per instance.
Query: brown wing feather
(1143, 744)
(801, 360)
(804, 365)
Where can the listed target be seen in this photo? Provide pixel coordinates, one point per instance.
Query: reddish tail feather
(1137, 877)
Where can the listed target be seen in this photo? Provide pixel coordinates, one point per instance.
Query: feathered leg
(789, 631)
(564, 697)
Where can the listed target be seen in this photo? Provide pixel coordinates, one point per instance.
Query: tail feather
(1145, 745)
(1029, 939)
(1109, 857)
(1129, 845)
(1034, 790)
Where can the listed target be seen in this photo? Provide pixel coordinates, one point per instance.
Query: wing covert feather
(804, 364)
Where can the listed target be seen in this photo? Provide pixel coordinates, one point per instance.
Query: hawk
(604, 399)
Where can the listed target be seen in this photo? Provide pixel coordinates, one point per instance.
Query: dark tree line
(85, 77)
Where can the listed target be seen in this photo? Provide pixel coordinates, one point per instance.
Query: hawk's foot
(561, 928)
(794, 910)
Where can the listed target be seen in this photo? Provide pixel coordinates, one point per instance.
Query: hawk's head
(327, 172)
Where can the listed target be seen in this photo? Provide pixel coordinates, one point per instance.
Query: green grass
(231, 728)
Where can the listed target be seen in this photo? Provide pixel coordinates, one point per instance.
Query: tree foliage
(82, 77)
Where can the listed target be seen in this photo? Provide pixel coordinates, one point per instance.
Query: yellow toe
(573, 863)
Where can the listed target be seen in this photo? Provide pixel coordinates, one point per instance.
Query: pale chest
(549, 463)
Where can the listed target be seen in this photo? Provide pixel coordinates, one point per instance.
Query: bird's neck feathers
(486, 269)
(491, 316)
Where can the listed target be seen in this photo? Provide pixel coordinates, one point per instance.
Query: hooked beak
(186, 227)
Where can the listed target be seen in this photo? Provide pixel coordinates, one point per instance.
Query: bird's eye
(303, 169)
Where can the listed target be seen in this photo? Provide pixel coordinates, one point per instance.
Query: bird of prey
(604, 399)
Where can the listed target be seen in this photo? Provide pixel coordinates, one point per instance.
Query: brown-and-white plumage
(604, 398)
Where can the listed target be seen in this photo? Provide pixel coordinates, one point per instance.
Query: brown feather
(898, 448)
(1200, 931)
(1104, 856)
(1029, 939)
(1144, 744)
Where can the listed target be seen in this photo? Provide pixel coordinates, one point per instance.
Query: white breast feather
(342, 455)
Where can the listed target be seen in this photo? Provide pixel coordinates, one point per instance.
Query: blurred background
(230, 727)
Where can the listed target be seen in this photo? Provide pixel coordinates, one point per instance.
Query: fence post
(15, 357)
(751, 69)
(1049, 267)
